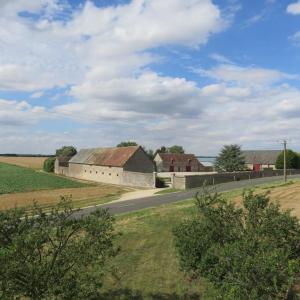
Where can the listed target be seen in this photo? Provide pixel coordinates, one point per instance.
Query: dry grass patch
(288, 196)
(84, 196)
(28, 162)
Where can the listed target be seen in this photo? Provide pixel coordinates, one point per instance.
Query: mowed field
(21, 186)
(35, 163)
(147, 266)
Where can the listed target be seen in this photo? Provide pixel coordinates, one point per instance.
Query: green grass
(147, 266)
(167, 191)
(15, 179)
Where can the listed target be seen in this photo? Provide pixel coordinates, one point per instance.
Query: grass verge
(15, 179)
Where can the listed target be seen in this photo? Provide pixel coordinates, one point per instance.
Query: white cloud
(145, 96)
(244, 75)
(294, 8)
(19, 113)
(105, 41)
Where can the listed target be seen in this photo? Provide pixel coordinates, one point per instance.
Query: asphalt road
(120, 207)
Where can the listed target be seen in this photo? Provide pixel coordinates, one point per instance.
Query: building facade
(176, 162)
(128, 166)
(258, 160)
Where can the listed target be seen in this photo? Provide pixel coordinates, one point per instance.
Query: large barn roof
(114, 157)
(265, 157)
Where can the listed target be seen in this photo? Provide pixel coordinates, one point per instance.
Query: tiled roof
(114, 157)
(177, 157)
(265, 157)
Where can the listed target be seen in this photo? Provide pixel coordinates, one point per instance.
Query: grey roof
(82, 156)
(114, 157)
(265, 157)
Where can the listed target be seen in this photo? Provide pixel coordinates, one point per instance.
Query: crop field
(15, 179)
(28, 162)
(147, 266)
(19, 187)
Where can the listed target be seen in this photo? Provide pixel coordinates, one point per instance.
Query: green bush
(54, 256)
(66, 151)
(48, 165)
(292, 160)
(251, 252)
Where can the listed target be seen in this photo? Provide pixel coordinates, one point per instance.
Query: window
(172, 161)
(85, 171)
(90, 172)
(96, 172)
(109, 174)
(102, 173)
(117, 174)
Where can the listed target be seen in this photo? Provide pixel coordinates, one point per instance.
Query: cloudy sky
(200, 73)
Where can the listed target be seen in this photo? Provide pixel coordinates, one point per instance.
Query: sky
(198, 73)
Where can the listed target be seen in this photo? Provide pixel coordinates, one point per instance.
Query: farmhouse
(123, 166)
(258, 160)
(176, 162)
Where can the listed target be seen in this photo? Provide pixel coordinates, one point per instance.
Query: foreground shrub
(48, 165)
(251, 252)
(54, 256)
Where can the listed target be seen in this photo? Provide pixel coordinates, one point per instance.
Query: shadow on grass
(125, 294)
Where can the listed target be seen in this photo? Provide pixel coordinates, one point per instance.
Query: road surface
(153, 201)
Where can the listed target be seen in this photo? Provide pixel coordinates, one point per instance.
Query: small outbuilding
(258, 160)
(177, 162)
(129, 166)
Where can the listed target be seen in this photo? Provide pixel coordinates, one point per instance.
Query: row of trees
(151, 153)
(249, 252)
(231, 159)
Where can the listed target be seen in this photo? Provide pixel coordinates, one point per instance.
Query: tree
(127, 144)
(176, 149)
(54, 256)
(292, 160)
(48, 165)
(162, 149)
(66, 151)
(251, 252)
(230, 159)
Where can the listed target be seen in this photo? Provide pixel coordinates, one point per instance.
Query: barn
(128, 166)
(177, 162)
(257, 160)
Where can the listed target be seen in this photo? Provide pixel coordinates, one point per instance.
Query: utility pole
(284, 160)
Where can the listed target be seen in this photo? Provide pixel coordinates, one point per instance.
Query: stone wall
(60, 170)
(111, 175)
(194, 181)
(138, 179)
(140, 163)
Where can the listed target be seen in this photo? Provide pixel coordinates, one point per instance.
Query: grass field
(19, 187)
(147, 267)
(35, 163)
(18, 179)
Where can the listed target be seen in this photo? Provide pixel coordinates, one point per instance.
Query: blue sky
(199, 73)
